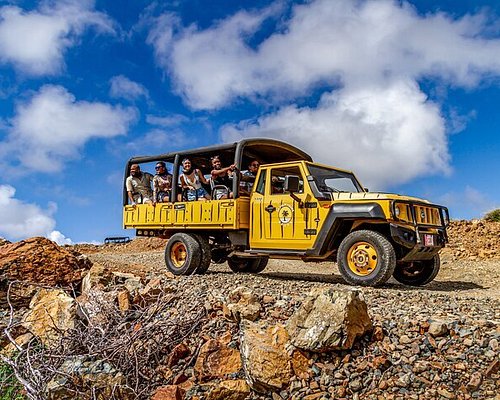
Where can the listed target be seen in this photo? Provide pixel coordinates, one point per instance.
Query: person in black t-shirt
(222, 176)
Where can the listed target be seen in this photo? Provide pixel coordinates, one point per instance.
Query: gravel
(440, 341)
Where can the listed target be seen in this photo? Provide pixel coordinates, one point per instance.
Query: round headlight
(397, 211)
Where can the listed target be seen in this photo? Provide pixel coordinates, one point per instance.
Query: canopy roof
(240, 153)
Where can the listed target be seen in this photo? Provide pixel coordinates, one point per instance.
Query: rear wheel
(182, 254)
(366, 258)
(251, 265)
(417, 273)
(206, 254)
(255, 268)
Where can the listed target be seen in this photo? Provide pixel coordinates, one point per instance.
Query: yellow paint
(362, 258)
(274, 221)
(212, 214)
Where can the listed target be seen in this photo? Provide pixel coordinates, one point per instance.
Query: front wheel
(417, 273)
(366, 258)
(183, 254)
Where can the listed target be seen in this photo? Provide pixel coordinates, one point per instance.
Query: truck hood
(376, 196)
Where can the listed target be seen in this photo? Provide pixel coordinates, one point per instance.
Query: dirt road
(464, 278)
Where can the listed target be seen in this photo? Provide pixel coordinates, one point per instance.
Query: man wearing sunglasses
(248, 177)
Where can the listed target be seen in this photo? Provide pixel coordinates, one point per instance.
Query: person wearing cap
(162, 183)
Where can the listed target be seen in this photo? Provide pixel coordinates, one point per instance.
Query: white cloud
(59, 238)
(35, 41)
(359, 130)
(123, 87)
(374, 117)
(221, 62)
(166, 122)
(52, 127)
(345, 41)
(158, 141)
(20, 220)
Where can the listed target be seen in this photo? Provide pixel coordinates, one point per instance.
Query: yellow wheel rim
(362, 258)
(178, 254)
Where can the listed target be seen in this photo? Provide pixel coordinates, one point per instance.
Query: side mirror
(291, 184)
(366, 189)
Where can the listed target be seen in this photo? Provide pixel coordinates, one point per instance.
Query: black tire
(260, 266)
(249, 265)
(238, 264)
(366, 258)
(206, 254)
(183, 254)
(417, 273)
(219, 256)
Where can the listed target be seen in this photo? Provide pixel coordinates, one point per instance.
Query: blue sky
(406, 94)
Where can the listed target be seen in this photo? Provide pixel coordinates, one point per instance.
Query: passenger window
(261, 184)
(278, 179)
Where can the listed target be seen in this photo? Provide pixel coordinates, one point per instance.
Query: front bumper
(418, 245)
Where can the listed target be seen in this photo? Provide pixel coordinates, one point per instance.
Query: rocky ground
(462, 363)
(437, 342)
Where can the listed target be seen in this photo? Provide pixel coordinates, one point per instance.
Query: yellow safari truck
(296, 209)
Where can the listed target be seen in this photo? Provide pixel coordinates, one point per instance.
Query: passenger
(222, 177)
(248, 177)
(162, 183)
(192, 179)
(138, 186)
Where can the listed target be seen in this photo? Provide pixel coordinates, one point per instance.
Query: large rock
(132, 283)
(96, 306)
(98, 276)
(216, 360)
(266, 362)
(178, 353)
(19, 293)
(329, 319)
(82, 378)
(20, 341)
(39, 260)
(243, 304)
(52, 312)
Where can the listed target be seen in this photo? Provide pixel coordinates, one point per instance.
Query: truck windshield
(331, 180)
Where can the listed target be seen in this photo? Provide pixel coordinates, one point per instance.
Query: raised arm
(223, 171)
(202, 177)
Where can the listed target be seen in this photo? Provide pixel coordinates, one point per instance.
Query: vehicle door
(284, 223)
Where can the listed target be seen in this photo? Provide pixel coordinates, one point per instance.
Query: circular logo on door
(285, 214)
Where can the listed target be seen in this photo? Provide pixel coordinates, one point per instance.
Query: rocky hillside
(473, 240)
(126, 329)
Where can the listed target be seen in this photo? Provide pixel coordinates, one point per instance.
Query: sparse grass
(10, 389)
(493, 216)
